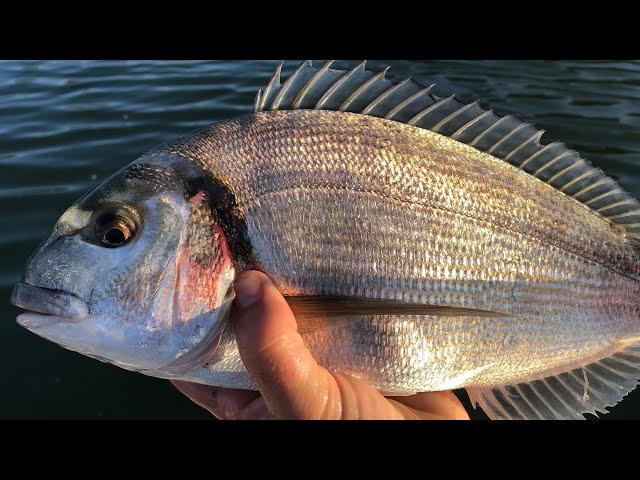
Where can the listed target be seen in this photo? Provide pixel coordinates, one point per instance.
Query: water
(65, 126)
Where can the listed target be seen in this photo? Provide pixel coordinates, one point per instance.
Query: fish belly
(340, 204)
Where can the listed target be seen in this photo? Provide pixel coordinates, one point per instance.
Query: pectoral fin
(317, 311)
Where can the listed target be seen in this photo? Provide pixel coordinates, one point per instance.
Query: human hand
(292, 384)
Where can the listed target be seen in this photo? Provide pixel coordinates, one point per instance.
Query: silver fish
(424, 244)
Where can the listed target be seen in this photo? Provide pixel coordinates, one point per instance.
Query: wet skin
(292, 384)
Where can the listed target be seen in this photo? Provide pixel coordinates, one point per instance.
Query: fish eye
(114, 230)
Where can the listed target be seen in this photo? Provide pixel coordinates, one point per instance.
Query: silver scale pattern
(345, 204)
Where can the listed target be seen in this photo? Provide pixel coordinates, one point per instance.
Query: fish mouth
(45, 306)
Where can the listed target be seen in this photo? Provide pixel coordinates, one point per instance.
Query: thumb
(292, 383)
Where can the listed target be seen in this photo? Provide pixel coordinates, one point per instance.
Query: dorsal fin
(371, 93)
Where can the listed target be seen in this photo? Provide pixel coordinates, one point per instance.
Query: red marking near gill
(175, 308)
(224, 261)
(199, 288)
(198, 198)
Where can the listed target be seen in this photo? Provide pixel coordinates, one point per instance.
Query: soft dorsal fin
(370, 93)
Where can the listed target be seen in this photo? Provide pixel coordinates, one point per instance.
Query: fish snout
(42, 302)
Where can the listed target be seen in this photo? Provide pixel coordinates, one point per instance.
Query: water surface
(65, 126)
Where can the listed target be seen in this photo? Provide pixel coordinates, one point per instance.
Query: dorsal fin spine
(287, 85)
(361, 89)
(536, 136)
(564, 171)
(258, 101)
(506, 137)
(408, 101)
(298, 100)
(452, 116)
(586, 174)
(604, 195)
(535, 155)
(430, 108)
(588, 188)
(384, 95)
(553, 161)
(273, 84)
(617, 204)
(470, 123)
(338, 84)
(630, 213)
(488, 130)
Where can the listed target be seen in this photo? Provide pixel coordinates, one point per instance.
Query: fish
(423, 243)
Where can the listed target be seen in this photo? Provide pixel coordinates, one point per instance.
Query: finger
(292, 383)
(225, 403)
(242, 405)
(437, 404)
(204, 396)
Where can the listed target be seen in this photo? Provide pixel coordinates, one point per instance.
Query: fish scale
(484, 235)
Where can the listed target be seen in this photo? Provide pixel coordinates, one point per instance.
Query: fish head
(137, 272)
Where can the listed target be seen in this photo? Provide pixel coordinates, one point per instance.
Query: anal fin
(568, 395)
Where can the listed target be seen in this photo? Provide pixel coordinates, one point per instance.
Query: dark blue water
(65, 126)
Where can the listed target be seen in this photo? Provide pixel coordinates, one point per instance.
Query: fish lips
(46, 306)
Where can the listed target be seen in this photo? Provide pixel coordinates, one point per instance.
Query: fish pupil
(115, 236)
(114, 230)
